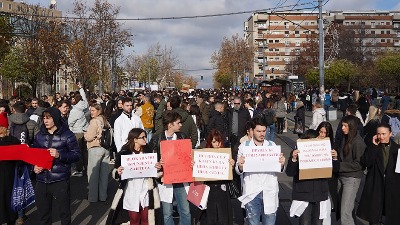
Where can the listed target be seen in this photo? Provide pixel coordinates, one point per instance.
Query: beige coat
(93, 133)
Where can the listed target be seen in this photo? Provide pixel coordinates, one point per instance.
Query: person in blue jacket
(53, 186)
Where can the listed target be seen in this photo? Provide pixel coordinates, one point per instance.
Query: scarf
(34, 156)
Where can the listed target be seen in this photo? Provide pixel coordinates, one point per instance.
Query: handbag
(23, 194)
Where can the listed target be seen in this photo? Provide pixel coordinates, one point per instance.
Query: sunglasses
(142, 137)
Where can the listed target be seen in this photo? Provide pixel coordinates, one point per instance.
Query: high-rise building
(279, 37)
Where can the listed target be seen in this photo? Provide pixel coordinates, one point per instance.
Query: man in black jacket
(237, 119)
(52, 187)
(219, 121)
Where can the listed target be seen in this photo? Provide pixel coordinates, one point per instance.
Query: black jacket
(243, 117)
(218, 121)
(301, 115)
(313, 190)
(66, 144)
(350, 164)
(381, 194)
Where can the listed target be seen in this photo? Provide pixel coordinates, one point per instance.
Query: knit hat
(55, 114)
(3, 120)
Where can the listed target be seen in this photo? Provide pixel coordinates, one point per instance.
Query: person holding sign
(141, 198)
(260, 189)
(310, 197)
(381, 196)
(171, 121)
(219, 208)
(351, 170)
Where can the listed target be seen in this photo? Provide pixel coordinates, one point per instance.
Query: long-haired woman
(194, 111)
(98, 157)
(141, 194)
(219, 209)
(351, 171)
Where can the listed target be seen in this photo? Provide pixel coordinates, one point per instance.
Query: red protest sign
(177, 158)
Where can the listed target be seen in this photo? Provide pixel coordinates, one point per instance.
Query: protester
(53, 186)
(147, 116)
(249, 132)
(300, 116)
(194, 111)
(171, 121)
(21, 126)
(219, 121)
(237, 119)
(260, 190)
(310, 197)
(7, 168)
(98, 157)
(372, 122)
(351, 170)
(280, 112)
(380, 199)
(319, 115)
(269, 119)
(141, 197)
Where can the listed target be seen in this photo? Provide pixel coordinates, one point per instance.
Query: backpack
(106, 140)
(21, 132)
(268, 117)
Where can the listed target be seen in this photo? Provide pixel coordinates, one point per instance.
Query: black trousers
(310, 215)
(280, 124)
(55, 194)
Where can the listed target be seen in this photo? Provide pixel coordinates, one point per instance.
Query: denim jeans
(183, 208)
(255, 209)
(270, 134)
(349, 187)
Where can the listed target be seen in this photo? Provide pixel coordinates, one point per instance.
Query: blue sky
(194, 40)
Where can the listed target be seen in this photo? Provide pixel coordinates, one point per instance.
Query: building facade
(278, 38)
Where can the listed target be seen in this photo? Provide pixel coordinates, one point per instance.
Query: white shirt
(254, 183)
(122, 126)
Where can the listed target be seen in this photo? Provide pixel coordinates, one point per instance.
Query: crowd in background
(364, 145)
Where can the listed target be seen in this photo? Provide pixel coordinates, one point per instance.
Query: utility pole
(321, 49)
(149, 75)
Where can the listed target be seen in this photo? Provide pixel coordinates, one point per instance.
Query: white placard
(139, 165)
(262, 158)
(397, 170)
(211, 165)
(314, 154)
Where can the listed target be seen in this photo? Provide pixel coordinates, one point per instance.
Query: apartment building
(18, 9)
(278, 38)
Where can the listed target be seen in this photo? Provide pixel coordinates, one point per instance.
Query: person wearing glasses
(141, 197)
(237, 119)
(171, 121)
(98, 157)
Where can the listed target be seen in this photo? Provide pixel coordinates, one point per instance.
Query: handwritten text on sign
(139, 165)
(211, 165)
(262, 158)
(315, 154)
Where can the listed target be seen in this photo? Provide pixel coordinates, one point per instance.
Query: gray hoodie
(23, 118)
(319, 116)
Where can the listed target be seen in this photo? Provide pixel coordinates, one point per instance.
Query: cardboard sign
(177, 157)
(212, 164)
(139, 165)
(397, 170)
(315, 158)
(262, 158)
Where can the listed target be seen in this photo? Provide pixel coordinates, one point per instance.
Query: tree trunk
(348, 85)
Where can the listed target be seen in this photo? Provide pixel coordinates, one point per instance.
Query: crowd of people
(365, 145)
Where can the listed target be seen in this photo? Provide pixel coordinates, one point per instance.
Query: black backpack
(106, 140)
(268, 117)
(21, 132)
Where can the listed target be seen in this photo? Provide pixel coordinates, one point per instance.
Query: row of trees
(85, 46)
(350, 60)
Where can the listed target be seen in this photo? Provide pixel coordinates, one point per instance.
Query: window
(388, 32)
(276, 58)
(286, 32)
(10, 6)
(382, 40)
(395, 25)
(388, 40)
(277, 49)
(372, 32)
(276, 41)
(65, 87)
(382, 32)
(353, 23)
(271, 49)
(287, 51)
(19, 8)
(362, 23)
(297, 43)
(382, 23)
(372, 24)
(346, 23)
(387, 23)
(297, 33)
(271, 41)
(287, 43)
(58, 87)
(1, 5)
(306, 23)
(286, 25)
(312, 23)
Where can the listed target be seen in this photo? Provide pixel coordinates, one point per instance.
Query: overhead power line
(282, 8)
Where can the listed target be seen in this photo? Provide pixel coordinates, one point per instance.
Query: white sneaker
(112, 161)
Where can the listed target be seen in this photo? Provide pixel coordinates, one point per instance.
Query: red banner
(177, 157)
(35, 156)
